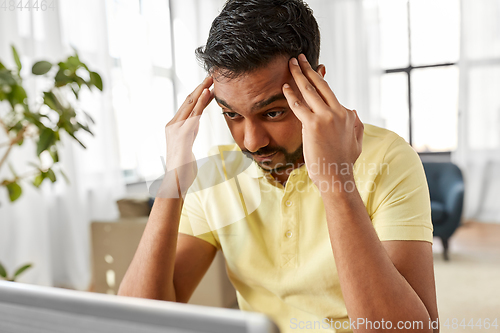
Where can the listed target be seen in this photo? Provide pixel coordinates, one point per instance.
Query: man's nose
(256, 137)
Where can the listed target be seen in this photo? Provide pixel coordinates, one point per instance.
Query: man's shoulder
(378, 135)
(378, 141)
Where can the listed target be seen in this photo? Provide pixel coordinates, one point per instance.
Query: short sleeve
(193, 221)
(402, 209)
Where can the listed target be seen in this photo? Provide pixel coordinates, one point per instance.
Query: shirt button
(288, 234)
(288, 203)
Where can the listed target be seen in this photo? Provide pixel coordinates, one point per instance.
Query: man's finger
(307, 89)
(359, 128)
(191, 101)
(319, 82)
(298, 108)
(205, 99)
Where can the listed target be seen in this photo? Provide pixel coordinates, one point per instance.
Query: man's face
(258, 115)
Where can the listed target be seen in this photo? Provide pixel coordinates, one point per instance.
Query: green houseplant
(41, 119)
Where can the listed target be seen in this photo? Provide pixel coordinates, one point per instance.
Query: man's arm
(166, 265)
(379, 280)
(372, 286)
(414, 260)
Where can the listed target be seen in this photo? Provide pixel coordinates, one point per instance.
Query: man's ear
(321, 70)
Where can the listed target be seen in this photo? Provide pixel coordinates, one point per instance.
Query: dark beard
(290, 158)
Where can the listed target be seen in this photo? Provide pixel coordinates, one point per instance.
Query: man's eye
(230, 115)
(274, 114)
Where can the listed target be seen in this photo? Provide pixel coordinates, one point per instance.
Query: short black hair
(248, 34)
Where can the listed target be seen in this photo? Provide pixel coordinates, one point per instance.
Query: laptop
(28, 308)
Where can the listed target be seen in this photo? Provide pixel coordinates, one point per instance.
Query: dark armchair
(446, 187)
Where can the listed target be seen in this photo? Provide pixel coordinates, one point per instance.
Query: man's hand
(180, 133)
(331, 134)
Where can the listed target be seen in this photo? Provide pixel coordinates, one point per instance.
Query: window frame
(408, 70)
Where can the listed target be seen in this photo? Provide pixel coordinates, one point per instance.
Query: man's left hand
(332, 135)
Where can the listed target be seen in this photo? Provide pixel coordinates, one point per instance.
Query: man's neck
(282, 175)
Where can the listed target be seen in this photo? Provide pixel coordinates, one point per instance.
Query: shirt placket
(289, 225)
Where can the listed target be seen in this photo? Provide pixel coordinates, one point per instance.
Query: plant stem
(4, 126)
(18, 138)
(4, 158)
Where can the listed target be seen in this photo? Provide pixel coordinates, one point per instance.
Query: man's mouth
(264, 158)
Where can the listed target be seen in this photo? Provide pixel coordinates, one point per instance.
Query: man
(328, 229)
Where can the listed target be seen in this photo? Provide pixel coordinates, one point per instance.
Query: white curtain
(478, 152)
(50, 227)
(192, 20)
(349, 50)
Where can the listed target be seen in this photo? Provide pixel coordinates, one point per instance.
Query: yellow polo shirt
(275, 238)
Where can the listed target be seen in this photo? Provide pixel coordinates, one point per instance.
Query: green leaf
(7, 78)
(54, 154)
(39, 179)
(3, 272)
(74, 137)
(16, 58)
(47, 139)
(79, 80)
(18, 95)
(41, 68)
(61, 78)
(62, 65)
(73, 62)
(74, 92)
(51, 175)
(21, 270)
(16, 127)
(52, 102)
(96, 80)
(33, 118)
(87, 115)
(85, 128)
(66, 124)
(69, 113)
(14, 190)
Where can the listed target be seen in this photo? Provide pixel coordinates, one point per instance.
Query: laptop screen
(29, 308)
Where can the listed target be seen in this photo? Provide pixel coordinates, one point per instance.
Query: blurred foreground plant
(19, 271)
(42, 118)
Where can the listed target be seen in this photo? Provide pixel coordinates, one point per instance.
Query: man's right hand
(162, 251)
(180, 133)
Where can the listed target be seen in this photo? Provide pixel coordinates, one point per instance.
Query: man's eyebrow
(266, 102)
(222, 102)
(258, 105)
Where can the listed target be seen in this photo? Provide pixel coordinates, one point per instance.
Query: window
(419, 55)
